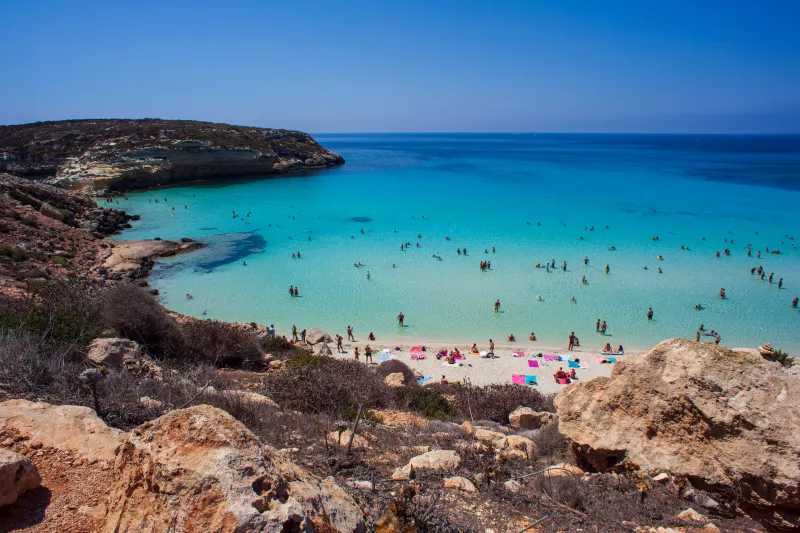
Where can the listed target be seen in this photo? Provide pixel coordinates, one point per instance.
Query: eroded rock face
(198, 469)
(129, 154)
(721, 418)
(17, 476)
(64, 427)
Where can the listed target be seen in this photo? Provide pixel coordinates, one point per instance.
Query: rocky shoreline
(121, 155)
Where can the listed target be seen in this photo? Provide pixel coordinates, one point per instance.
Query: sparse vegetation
(783, 358)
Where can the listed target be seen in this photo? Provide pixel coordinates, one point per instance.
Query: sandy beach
(485, 371)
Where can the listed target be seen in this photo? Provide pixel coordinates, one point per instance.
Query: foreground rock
(17, 476)
(527, 418)
(130, 154)
(112, 352)
(62, 427)
(436, 460)
(198, 469)
(720, 418)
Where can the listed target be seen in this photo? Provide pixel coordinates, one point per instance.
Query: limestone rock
(467, 427)
(722, 418)
(459, 483)
(516, 446)
(316, 335)
(112, 352)
(440, 460)
(487, 435)
(690, 515)
(562, 470)
(17, 476)
(63, 427)
(395, 379)
(512, 485)
(199, 469)
(527, 418)
(359, 442)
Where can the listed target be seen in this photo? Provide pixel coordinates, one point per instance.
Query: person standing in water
(400, 318)
(650, 314)
(571, 340)
(722, 293)
(794, 302)
(496, 306)
(350, 334)
(607, 269)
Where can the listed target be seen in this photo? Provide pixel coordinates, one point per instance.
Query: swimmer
(369, 276)
(539, 298)
(699, 307)
(607, 269)
(189, 296)
(650, 314)
(573, 300)
(722, 293)
(496, 306)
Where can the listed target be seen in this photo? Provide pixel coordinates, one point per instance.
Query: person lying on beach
(417, 374)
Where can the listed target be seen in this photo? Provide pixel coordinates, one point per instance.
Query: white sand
(480, 371)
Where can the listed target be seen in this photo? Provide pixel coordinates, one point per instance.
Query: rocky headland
(120, 155)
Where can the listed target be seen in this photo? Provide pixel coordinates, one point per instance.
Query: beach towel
(612, 359)
(417, 348)
(584, 365)
(533, 363)
(598, 359)
(459, 357)
(518, 353)
(563, 381)
(517, 379)
(386, 356)
(530, 380)
(565, 356)
(550, 357)
(423, 379)
(419, 356)
(484, 353)
(573, 364)
(448, 364)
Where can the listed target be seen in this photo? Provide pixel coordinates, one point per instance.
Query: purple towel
(533, 363)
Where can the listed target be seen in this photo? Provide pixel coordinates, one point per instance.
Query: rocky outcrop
(17, 476)
(112, 352)
(70, 428)
(723, 419)
(198, 469)
(131, 154)
(395, 379)
(527, 418)
(436, 460)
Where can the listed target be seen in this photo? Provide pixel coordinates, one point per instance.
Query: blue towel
(573, 364)
(611, 359)
(423, 379)
(530, 380)
(565, 357)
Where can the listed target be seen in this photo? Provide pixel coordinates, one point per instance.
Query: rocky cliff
(129, 154)
(724, 420)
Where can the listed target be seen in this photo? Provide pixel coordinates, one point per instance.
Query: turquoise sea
(534, 198)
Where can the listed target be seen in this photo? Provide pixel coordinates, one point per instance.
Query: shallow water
(492, 190)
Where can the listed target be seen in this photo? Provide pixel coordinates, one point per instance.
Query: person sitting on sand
(371, 336)
(443, 381)
(620, 349)
(456, 352)
(451, 360)
(368, 354)
(475, 349)
(532, 336)
(441, 353)
(511, 338)
(572, 374)
(607, 348)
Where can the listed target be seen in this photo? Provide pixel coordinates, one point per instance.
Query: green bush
(783, 358)
(60, 261)
(427, 402)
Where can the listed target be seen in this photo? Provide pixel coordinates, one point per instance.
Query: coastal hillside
(131, 154)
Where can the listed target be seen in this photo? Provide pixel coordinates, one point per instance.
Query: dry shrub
(30, 367)
(551, 445)
(135, 315)
(494, 402)
(318, 384)
(221, 344)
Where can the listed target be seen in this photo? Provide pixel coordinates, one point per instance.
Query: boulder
(527, 418)
(343, 439)
(112, 352)
(690, 515)
(70, 428)
(395, 379)
(487, 435)
(459, 483)
(316, 335)
(17, 476)
(516, 446)
(198, 469)
(724, 419)
(439, 460)
(563, 470)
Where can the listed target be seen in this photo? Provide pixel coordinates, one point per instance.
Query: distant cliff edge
(121, 155)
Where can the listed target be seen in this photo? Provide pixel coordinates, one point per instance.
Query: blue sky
(359, 66)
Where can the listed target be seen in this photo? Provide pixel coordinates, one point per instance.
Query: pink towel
(563, 381)
(459, 357)
(518, 353)
(518, 379)
(584, 366)
(418, 356)
(416, 348)
(550, 357)
(533, 363)
(598, 359)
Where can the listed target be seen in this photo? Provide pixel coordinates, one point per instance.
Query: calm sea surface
(534, 198)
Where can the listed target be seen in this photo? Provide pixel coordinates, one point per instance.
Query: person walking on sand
(571, 340)
(491, 343)
(339, 347)
(496, 306)
(400, 318)
(368, 354)
(697, 336)
(350, 334)
(650, 314)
